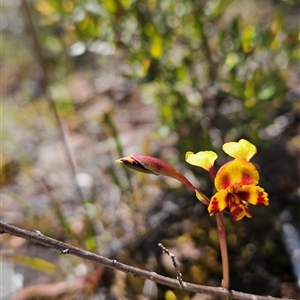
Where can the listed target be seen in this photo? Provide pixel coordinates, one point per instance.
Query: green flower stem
(223, 247)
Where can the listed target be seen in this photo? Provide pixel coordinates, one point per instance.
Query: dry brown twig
(172, 256)
(38, 238)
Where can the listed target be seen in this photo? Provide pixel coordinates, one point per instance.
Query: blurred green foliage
(218, 68)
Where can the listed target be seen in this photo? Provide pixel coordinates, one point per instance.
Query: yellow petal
(202, 159)
(237, 172)
(240, 149)
(199, 196)
(202, 197)
(218, 202)
(255, 195)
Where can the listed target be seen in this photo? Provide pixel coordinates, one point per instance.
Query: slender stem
(36, 47)
(110, 124)
(222, 240)
(46, 82)
(212, 173)
(223, 247)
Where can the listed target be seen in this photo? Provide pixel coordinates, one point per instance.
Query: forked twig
(172, 256)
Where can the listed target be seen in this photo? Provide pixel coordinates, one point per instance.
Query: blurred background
(85, 82)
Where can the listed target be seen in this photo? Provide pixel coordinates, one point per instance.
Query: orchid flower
(235, 182)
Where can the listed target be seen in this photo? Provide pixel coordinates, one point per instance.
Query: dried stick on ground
(38, 238)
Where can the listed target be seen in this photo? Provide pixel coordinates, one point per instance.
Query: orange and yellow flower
(235, 182)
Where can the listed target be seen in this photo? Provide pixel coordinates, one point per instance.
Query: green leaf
(267, 93)
(32, 262)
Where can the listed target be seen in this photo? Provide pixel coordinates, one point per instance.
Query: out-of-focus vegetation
(158, 77)
(222, 67)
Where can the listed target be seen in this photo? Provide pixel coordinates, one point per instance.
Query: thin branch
(172, 256)
(38, 238)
